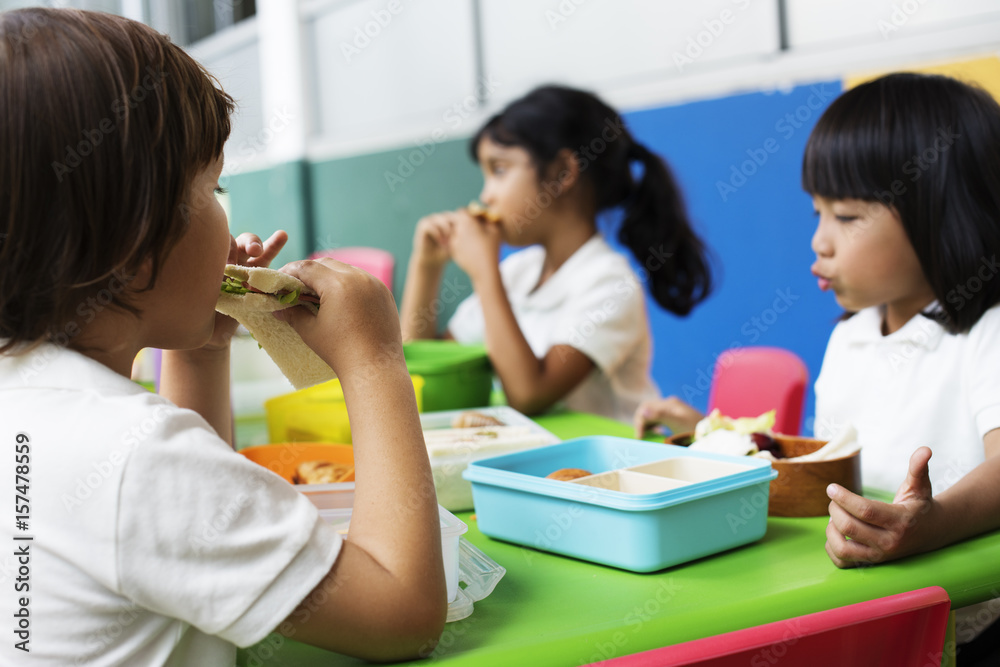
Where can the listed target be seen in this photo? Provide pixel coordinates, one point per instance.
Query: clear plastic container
(452, 528)
(447, 464)
(645, 506)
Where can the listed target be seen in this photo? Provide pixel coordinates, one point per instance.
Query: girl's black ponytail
(657, 231)
(655, 228)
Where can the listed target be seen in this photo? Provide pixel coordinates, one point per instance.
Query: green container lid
(432, 357)
(455, 376)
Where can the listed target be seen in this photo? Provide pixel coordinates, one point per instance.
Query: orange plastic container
(284, 458)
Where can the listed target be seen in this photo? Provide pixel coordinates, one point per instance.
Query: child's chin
(848, 304)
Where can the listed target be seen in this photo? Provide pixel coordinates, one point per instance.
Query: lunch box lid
(525, 471)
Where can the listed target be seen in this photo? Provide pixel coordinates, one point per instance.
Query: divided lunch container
(449, 460)
(317, 413)
(455, 376)
(645, 506)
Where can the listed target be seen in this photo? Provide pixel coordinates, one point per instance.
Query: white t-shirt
(918, 386)
(594, 302)
(154, 543)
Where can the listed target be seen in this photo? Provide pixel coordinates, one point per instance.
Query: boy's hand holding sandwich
(356, 323)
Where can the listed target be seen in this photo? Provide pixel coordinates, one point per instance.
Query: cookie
(566, 474)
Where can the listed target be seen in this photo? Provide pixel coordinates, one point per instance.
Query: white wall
(233, 56)
(385, 73)
(384, 68)
(827, 23)
(600, 45)
(113, 6)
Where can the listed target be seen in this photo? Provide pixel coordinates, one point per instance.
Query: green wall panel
(271, 199)
(377, 199)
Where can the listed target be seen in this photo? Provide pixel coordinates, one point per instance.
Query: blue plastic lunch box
(645, 506)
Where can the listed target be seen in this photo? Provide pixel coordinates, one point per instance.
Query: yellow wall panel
(982, 71)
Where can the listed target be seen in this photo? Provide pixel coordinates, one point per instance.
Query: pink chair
(379, 263)
(749, 381)
(904, 630)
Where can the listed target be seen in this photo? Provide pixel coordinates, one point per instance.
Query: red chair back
(904, 630)
(380, 263)
(749, 381)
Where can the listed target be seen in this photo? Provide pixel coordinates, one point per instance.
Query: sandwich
(250, 295)
(477, 210)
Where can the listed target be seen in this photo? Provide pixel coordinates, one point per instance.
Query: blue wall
(758, 226)
(757, 222)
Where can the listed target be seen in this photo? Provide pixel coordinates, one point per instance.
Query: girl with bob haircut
(905, 177)
(142, 518)
(564, 319)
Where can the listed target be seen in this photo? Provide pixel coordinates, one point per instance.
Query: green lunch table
(555, 610)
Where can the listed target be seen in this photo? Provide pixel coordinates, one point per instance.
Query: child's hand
(247, 250)
(878, 531)
(430, 242)
(672, 412)
(357, 324)
(475, 244)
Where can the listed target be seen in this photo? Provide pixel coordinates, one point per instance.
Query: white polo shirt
(918, 386)
(154, 543)
(594, 302)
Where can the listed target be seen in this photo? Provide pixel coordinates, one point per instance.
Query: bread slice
(294, 358)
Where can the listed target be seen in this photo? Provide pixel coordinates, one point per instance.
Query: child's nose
(821, 243)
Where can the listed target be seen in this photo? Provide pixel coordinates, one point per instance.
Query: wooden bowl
(800, 488)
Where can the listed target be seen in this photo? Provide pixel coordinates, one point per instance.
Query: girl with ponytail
(565, 318)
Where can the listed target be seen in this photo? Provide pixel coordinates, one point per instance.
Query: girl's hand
(475, 245)
(430, 242)
(246, 250)
(672, 412)
(881, 532)
(357, 326)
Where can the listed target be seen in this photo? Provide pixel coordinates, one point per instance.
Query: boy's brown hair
(105, 124)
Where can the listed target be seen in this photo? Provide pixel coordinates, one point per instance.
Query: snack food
(322, 472)
(477, 210)
(566, 474)
(472, 419)
(752, 436)
(746, 436)
(250, 295)
(479, 439)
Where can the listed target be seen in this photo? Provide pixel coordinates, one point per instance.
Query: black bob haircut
(927, 147)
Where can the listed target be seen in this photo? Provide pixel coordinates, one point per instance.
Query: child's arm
(672, 412)
(916, 521)
(384, 598)
(199, 379)
(531, 384)
(417, 316)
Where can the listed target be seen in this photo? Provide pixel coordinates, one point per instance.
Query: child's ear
(142, 276)
(564, 170)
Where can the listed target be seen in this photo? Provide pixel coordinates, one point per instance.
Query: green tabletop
(555, 610)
